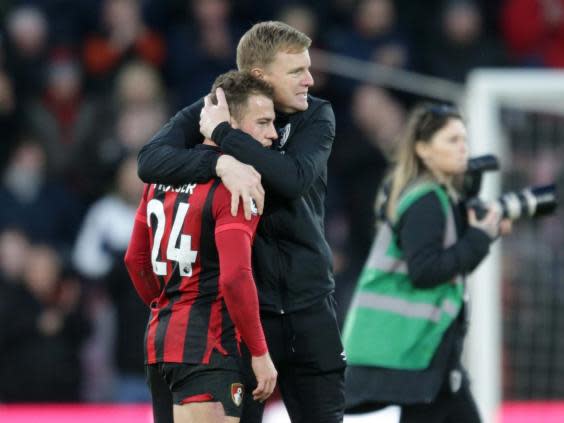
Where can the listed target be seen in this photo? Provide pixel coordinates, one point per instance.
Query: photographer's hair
(238, 87)
(424, 121)
(259, 45)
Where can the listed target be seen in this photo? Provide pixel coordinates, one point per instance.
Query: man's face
(257, 120)
(289, 75)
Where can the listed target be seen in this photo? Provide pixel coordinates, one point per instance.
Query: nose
(464, 148)
(272, 134)
(308, 79)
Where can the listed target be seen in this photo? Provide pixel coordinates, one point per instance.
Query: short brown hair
(238, 87)
(259, 45)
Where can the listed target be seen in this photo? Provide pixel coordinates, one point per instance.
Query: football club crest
(284, 134)
(237, 391)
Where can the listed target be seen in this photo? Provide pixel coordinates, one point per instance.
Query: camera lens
(530, 202)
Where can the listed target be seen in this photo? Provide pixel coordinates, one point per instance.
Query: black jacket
(292, 261)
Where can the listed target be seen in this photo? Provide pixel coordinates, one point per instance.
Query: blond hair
(259, 45)
(424, 121)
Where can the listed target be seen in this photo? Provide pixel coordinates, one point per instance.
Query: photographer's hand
(489, 224)
(505, 226)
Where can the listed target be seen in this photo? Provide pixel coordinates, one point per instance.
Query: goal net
(515, 347)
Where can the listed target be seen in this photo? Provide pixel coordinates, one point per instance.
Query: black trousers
(161, 396)
(448, 407)
(306, 349)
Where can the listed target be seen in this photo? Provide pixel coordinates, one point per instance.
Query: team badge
(237, 391)
(284, 133)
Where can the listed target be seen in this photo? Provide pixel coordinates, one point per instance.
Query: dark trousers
(448, 407)
(161, 396)
(306, 349)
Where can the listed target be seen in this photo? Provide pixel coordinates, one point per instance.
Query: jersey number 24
(183, 255)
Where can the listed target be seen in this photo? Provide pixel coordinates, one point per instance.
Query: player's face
(258, 120)
(446, 153)
(290, 76)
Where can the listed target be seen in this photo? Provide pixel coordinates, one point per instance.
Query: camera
(530, 202)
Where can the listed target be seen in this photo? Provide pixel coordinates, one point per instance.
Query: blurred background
(84, 84)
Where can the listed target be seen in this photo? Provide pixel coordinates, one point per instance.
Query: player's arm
(169, 158)
(234, 237)
(236, 280)
(138, 258)
(289, 175)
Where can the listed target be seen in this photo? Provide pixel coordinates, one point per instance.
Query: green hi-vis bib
(391, 323)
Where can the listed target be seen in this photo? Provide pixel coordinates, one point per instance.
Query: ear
(257, 73)
(422, 150)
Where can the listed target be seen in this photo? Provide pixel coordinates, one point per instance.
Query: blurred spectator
(14, 247)
(40, 206)
(361, 153)
(98, 256)
(131, 317)
(69, 20)
(7, 100)
(125, 120)
(534, 31)
(9, 114)
(139, 106)
(202, 49)
(302, 18)
(374, 35)
(136, 125)
(264, 10)
(358, 163)
(138, 84)
(124, 36)
(40, 347)
(26, 49)
(62, 117)
(106, 228)
(461, 45)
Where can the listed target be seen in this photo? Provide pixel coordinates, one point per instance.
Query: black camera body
(530, 202)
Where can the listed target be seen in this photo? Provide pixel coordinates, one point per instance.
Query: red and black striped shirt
(190, 260)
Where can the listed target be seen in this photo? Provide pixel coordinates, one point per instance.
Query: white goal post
(486, 91)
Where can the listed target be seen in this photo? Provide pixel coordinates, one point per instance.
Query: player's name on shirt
(186, 188)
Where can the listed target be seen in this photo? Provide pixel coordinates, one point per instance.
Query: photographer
(406, 325)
